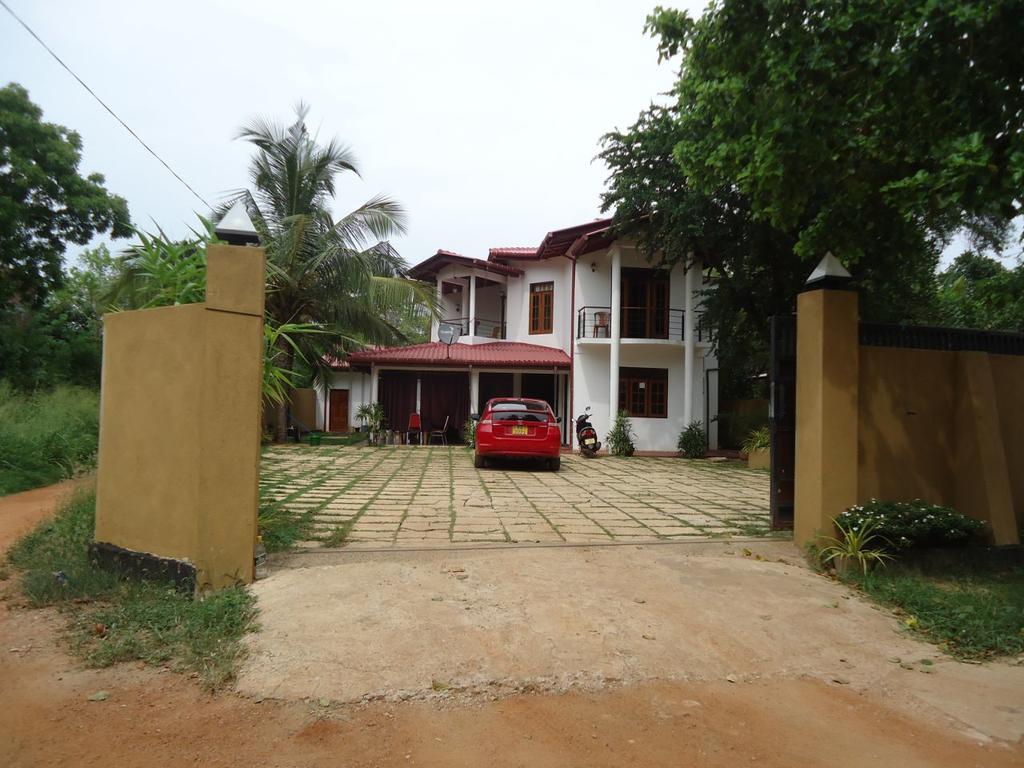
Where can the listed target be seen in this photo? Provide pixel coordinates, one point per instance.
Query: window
(542, 307)
(643, 392)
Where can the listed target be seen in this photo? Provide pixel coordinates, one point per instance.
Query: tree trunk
(287, 359)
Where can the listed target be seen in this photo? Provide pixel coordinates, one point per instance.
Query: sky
(482, 118)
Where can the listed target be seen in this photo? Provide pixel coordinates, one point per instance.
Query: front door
(337, 410)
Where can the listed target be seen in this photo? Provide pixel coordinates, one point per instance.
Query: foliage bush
(620, 439)
(115, 619)
(693, 442)
(46, 436)
(469, 433)
(908, 524)
(757, 440)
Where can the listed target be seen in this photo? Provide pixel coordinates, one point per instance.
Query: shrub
(620, 439)
(757, 440)
(469, 433)
(908, 524)
(692, 442)
(46, 436)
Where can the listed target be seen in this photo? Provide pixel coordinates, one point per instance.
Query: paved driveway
(415, 496)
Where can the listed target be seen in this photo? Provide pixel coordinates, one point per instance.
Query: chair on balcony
(602, 324)
(415, 428)
(441, 433)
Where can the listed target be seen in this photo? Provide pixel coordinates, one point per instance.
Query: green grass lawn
(47, 436)
(972, 614)
(114, 619)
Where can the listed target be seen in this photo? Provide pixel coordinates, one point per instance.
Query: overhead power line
(104, 104)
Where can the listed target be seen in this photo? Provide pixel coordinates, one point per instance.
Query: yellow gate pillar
(827, 359)
(179, 450)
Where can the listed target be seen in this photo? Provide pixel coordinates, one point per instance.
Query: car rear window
(518, 410)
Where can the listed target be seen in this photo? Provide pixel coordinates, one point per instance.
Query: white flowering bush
(913, 524)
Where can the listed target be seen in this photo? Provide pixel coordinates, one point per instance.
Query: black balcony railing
(491, 329)
(637, 323)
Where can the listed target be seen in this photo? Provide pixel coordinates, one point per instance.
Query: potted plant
(372, 416)
(693, 443)
(860, 548)
(757, 447)
(620, 439)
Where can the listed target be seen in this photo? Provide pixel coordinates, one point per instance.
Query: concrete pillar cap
(829, 270)
(236, 227)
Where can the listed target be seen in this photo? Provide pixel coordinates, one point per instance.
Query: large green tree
(45, 202)
(977, 291)
(338, 274)
(874, 130)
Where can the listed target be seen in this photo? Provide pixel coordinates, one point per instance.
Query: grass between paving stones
(338, 535)
(415, 493)
(972, 614)
(282, 528)
(316, 477)
(112, 619)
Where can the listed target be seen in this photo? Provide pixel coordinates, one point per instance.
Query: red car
(518, 427)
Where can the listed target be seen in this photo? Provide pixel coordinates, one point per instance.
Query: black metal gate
(782, 419)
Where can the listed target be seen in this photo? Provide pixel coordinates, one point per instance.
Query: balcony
(488, 329)
(648, 323)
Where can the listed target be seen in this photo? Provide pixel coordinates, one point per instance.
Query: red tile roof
(512, 252)
(496, 354)
(593, 235)
(428, 268)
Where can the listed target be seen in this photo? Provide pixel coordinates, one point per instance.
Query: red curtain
(441, 395)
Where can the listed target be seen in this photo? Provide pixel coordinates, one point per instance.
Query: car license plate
(520, 431)
(590, 441)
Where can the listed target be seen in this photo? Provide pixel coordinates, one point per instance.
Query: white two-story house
(581, 320)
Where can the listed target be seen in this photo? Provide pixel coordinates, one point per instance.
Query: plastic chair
(442, 433)
(601, 323)
(415, 428)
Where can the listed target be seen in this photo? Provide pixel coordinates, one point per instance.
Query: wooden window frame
(542, 307)
(635, 388)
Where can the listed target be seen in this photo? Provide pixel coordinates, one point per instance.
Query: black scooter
(586, 435)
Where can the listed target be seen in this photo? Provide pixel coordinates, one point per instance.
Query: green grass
(972, 614)
(282, 528)
(352, 438)
(114, 619)
(46, 436)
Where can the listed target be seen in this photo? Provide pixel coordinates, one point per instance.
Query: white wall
(557, 271)
(358, 386)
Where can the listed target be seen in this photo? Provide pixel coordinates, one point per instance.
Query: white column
(373, 384)
(474, 391)
(692, 272)
(616, 308)
(435, 323)
(472, 305)
(517, 384)
(419, 394)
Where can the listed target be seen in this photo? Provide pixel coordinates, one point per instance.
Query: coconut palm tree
(340, 275)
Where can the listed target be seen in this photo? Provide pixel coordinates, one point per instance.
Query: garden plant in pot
(756, 446)
(372, 416)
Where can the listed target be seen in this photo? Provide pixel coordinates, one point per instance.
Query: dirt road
(154, 718)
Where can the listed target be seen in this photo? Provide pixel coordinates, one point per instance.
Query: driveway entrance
(414, 496)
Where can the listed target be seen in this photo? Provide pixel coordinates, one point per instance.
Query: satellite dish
(447, 333)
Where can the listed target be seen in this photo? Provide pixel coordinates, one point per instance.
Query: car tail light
(484, 423)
